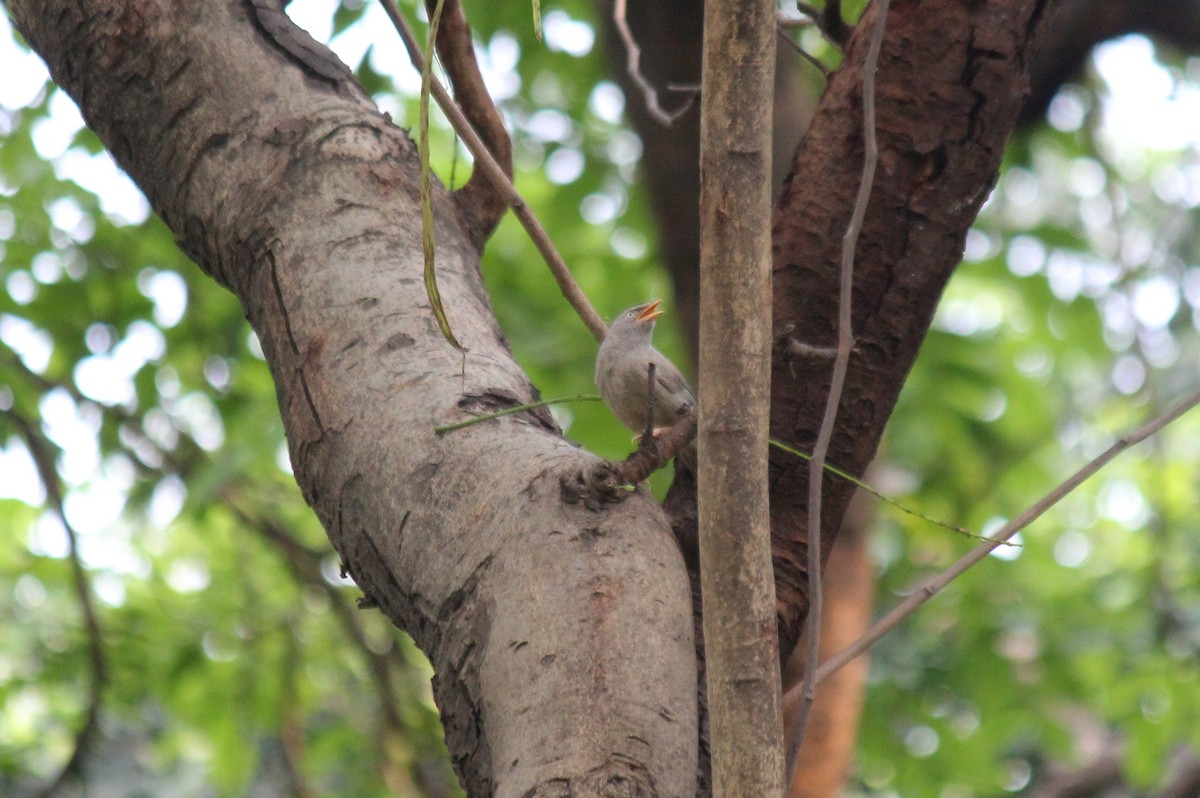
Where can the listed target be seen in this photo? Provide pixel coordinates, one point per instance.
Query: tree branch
(741, 649)
(496, 174)
(633, 68)
(945, 107)
(936, 584)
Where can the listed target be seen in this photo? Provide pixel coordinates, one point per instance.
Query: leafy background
(235, 661)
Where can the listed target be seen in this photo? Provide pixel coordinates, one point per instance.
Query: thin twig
(935, 585)
(456, 51)
(633, 68)
(808, 10)
(805, 54)
(43, 461)
(841, 364)
(651, 396)
(654, 452)
(484, 160)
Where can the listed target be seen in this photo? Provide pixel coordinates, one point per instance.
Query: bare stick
(805, 54)
(484, 160)
(633, 67)
(935, 585)
(845, 343)
(739, 613)
(651, 397)
(609, 480)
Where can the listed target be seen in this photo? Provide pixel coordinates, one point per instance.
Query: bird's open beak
(650, 311)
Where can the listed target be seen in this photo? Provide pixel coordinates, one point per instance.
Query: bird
(622, 365)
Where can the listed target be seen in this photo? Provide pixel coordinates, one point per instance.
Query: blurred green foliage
(236, 660)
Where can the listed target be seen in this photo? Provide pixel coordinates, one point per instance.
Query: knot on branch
(610, 481)
(791, 350)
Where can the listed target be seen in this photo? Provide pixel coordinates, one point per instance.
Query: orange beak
(651, 311)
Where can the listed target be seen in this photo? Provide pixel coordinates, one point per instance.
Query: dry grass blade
(427, 240)
(485, 161)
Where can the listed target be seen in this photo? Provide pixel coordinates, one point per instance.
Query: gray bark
(741, 649)
(560, 631)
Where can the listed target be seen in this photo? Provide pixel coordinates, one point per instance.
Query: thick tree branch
(948, 90)
(741, 649)
(549, 627)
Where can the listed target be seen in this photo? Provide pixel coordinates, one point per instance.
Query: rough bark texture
(559, 628)
(951, 80)
(741, 650)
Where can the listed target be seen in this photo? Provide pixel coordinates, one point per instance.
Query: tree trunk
(951, 80)
(559, 625)
(741, 650)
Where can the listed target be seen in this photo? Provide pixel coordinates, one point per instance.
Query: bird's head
(637, 322)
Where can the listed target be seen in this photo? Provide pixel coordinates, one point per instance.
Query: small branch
(936, 584)
(805, 54)
(1186, 778)
(495, 173)
(828, 19)
(607, 479)
(39, 450)
(845, 344)
(791, 349)
(633, 67)
(654, 452)
(651, 397)
(808, 10)
(784, 22)
(832, 24)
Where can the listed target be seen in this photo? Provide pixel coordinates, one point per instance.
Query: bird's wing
(671, 380)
